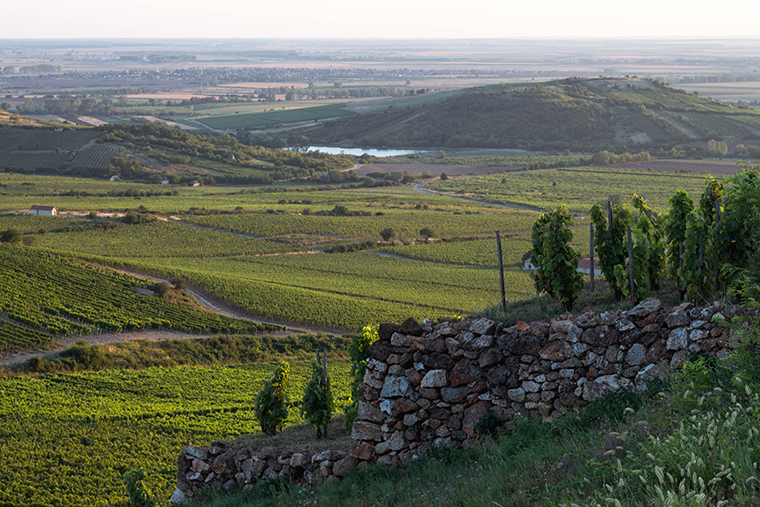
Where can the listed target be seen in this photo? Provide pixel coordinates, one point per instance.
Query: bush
(12, 236)
(161, 289)
(271, 405)
(358, 352)
(387, 234)
(318, 404)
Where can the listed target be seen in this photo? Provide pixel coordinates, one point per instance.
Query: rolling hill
(572, 114)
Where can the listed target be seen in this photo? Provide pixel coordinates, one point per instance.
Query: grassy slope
(573, 114)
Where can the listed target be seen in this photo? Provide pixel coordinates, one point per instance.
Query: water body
(358, 152)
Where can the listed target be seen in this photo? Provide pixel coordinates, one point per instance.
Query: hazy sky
(386, 18)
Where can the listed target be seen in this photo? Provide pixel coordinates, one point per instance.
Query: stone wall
(432, 383)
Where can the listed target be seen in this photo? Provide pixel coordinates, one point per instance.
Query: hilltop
(571, 114)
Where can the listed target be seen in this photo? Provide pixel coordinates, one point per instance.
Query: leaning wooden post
(324, 365)
(501, 272)
(591, 254)
(630, 263)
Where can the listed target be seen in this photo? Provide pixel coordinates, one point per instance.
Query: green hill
(576, 114)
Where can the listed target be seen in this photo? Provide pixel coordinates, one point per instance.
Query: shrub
(358, 352)
(318, 404)
(271, 405)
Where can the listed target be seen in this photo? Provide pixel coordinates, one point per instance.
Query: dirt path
(217, 305)
(510, 205)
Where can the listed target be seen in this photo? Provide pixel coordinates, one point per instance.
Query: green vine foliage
(358, 353)
(139, 493)
(540, 276)
(681, 206)
(714, 192)
(318, 404)
(697, 264)
(610, 243)
(737, 235)
(271, 406)
(556, 261)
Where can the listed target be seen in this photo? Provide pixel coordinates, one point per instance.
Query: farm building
(44, 210)
(114, 178)
(164, 181)
(195, 183)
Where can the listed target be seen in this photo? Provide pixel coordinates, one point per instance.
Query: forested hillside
(572, 114)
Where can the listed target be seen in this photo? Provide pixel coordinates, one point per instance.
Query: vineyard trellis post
(501, 272)
(591, 254)
(630, 264)
(715, 228)
(680, 263)
(699, 272)
(609, 213)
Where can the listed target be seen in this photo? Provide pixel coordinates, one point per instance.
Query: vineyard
(274, 118)
(54, 296)
(32, 149)
(344, 290)
(578, 188)
(68, 439)
(157, 239)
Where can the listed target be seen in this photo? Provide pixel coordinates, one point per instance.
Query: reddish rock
(463, 373)
(556, 351)
(410, 327)
(385, 331)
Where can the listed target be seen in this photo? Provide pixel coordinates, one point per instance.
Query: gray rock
(516, 395)
(597, 336)
(401, 340)
(196, 452)
(434, 378)
(375, 365)
(455, 394)
(530, 387)
(394, 387)
(520, 344)
(489, 358)
(395, 443)
(178, 497)
(342, 467)
(678, 339)
(679, 359)
(482, 342)
(483, 326)
(637, 354)
(643, 309)
(368, 412)
(363, 430)
(678, 318)
(624, 325)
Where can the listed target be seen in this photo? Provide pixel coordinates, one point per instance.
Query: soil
(435, 169)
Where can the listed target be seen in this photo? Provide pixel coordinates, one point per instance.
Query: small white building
(115, 177)
(195, 183)
(165, 181)
(44, 210)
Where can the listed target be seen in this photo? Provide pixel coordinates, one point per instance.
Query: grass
(694, 442)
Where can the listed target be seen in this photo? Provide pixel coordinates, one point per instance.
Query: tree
(12, 236)
(556, 261)
(271, 405)
(427, 233)
(444, 176)
(387, 234)
(318, 404)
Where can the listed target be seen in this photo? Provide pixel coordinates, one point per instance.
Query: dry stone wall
(433, 383)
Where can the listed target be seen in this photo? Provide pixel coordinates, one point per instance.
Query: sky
(380, 19)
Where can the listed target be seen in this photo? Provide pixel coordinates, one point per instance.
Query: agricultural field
(94, 427)
(54, 296)
(732, 92)
(578, 188)
(344, 290)
(271, 119)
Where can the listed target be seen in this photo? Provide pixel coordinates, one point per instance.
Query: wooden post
(715, 228)
(501, 272)
(630, 264)
(680, 262)
(324, 365)
(591, 254)
(699, 289)
(609, 213)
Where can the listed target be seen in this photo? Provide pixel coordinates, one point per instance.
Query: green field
(275, 118)
(578, 188)
(49, 296)
(67, 439)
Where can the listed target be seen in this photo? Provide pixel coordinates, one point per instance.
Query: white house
(115, 177)
(44, 210)
(584, 265)
(165, 181)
